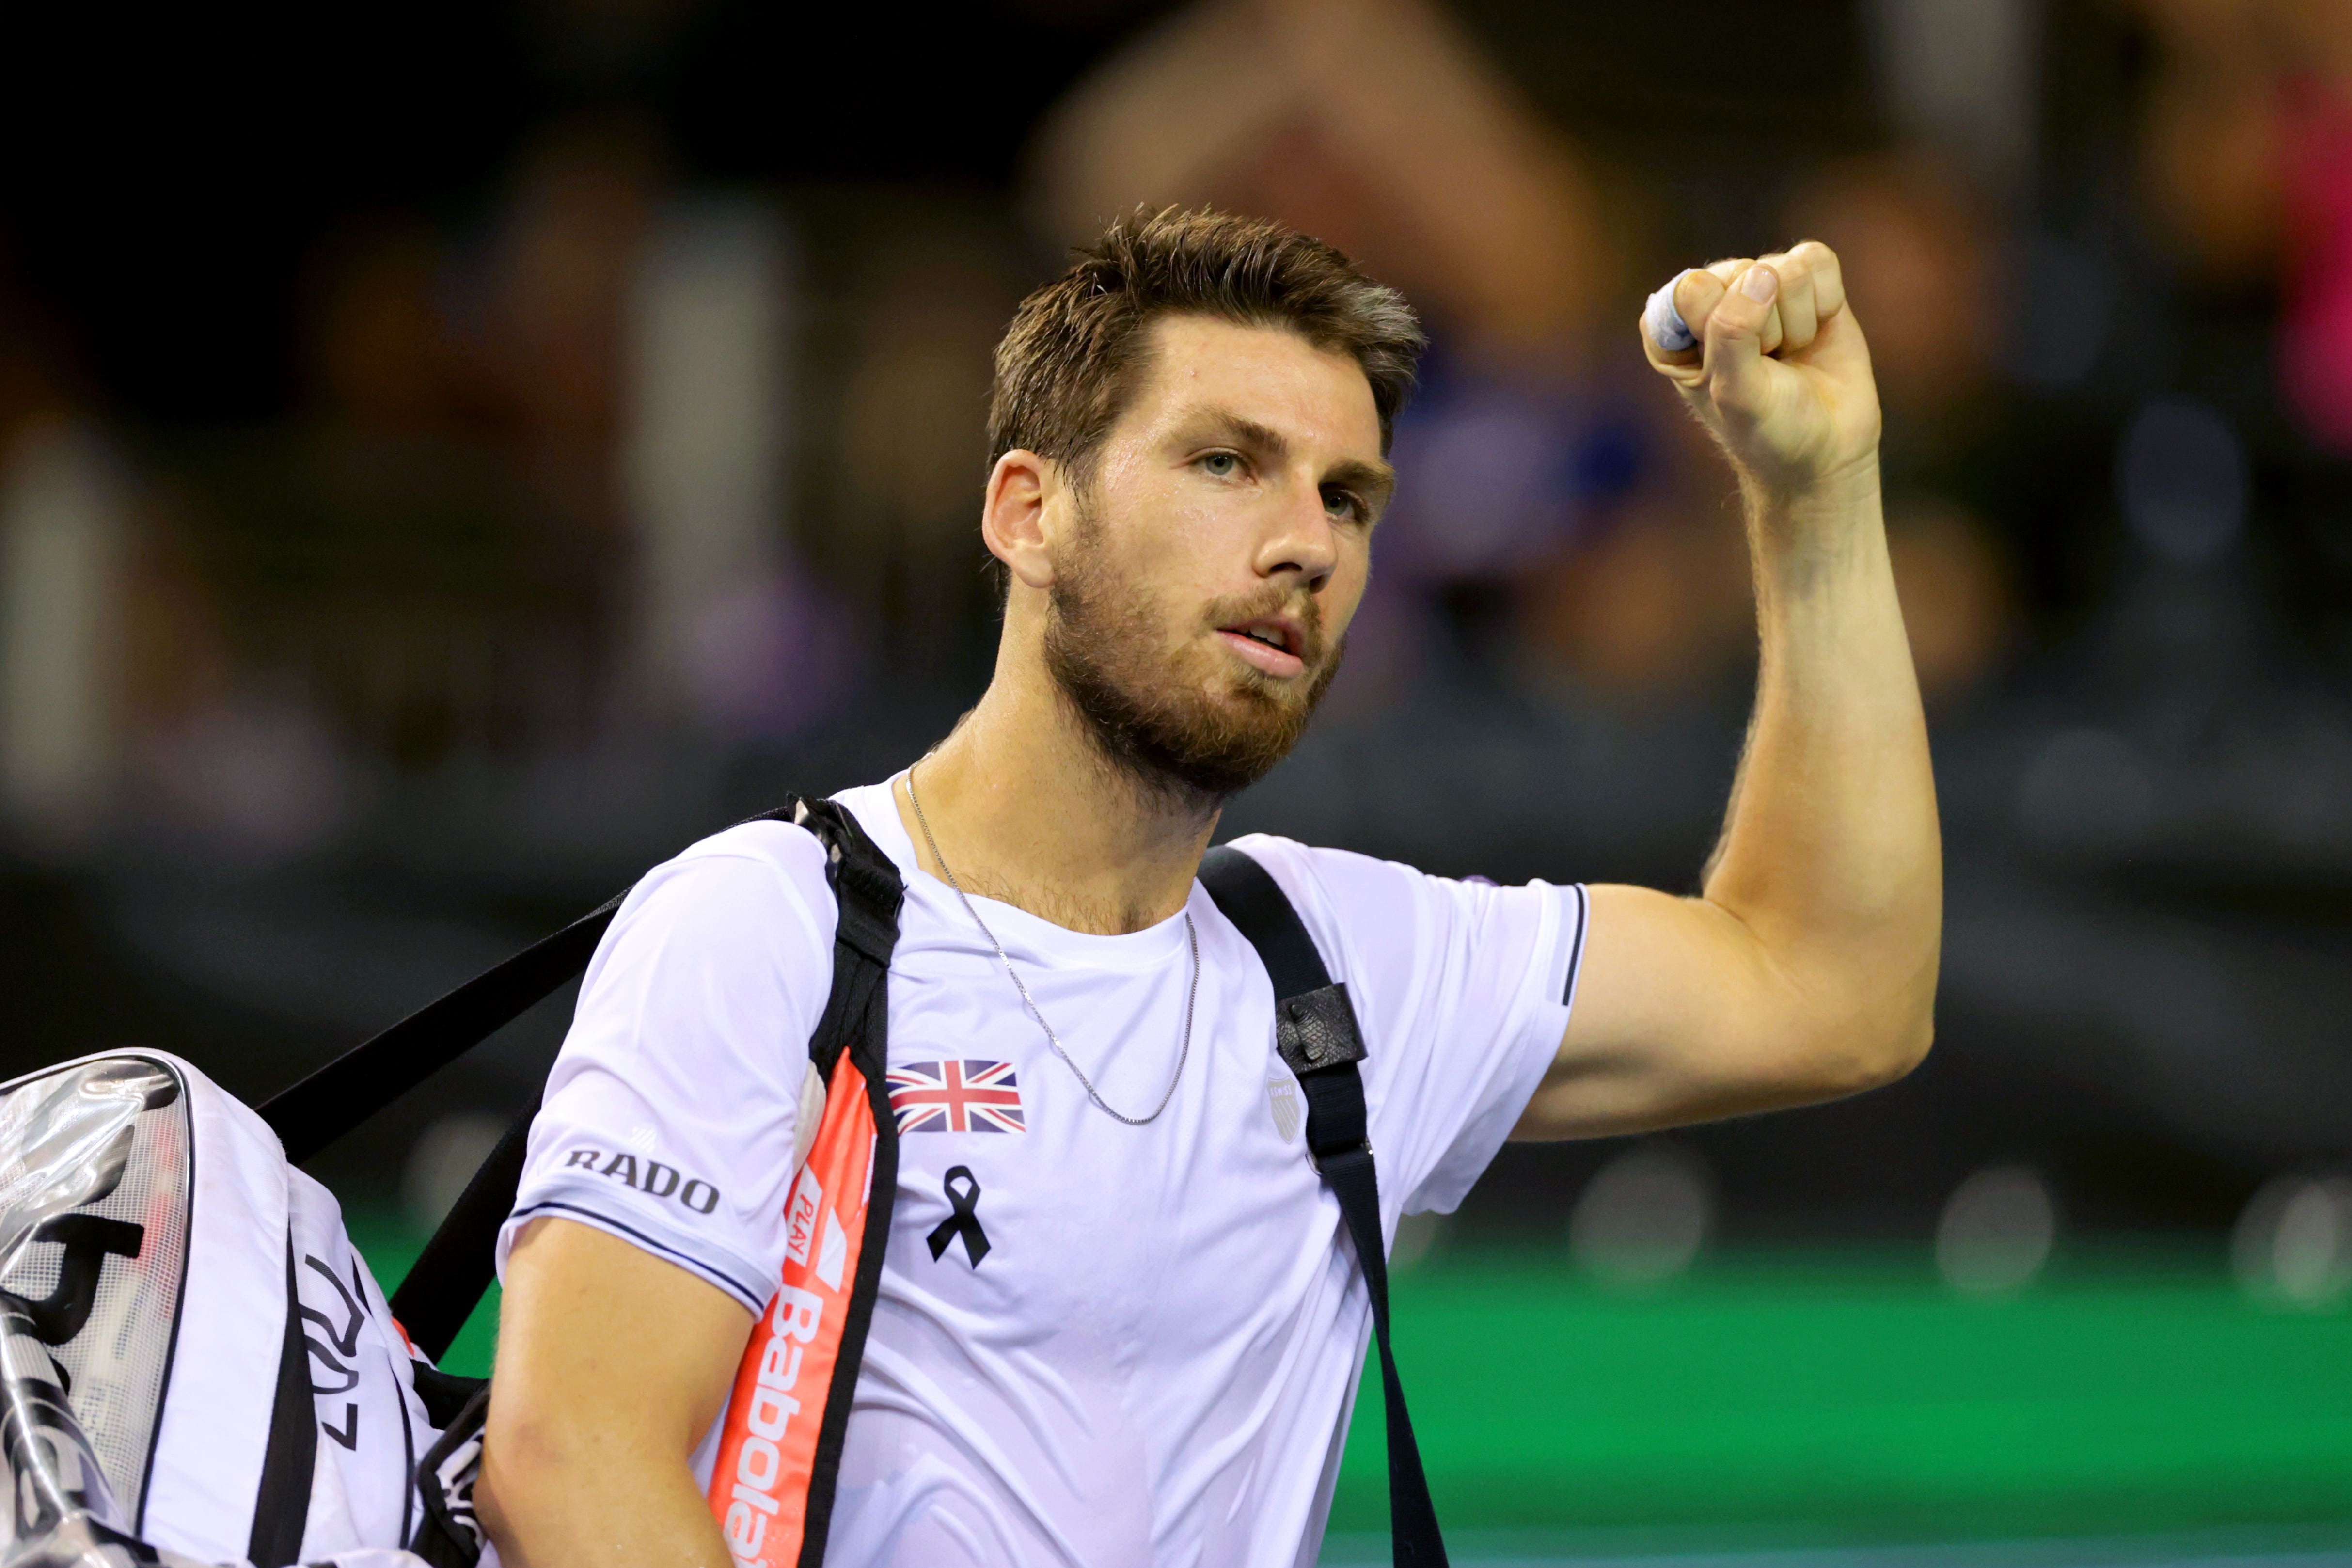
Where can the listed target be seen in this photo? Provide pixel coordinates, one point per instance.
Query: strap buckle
(1315, 1030)
(1362, 1145)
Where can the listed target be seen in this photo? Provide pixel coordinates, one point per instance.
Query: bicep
(612, 1364)
(590, 1322)
(1682, 1015)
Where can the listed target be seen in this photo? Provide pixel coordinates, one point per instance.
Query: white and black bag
(196, 1366)
(196, 1363)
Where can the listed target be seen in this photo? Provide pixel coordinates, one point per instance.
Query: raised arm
(612, 1366)
(1805, 968)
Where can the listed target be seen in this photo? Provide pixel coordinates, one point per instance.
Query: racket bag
(195, 1364)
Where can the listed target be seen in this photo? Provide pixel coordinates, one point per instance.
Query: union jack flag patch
(956, 1097)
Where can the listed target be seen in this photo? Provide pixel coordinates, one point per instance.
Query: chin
(1242, 695)
(1196, 722)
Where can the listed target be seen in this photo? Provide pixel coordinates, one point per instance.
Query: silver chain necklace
(1190, 936)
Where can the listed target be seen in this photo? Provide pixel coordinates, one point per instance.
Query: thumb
(1735, 340)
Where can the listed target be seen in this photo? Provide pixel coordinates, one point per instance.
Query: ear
(1014, 523)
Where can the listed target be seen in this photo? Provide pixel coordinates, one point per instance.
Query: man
(1154, 1359)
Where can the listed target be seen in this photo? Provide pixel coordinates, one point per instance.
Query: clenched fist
(1780, 373)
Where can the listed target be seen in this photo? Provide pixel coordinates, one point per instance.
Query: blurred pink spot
(2316, 338)
(773, 658)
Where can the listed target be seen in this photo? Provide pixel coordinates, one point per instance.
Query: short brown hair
(1069, 363)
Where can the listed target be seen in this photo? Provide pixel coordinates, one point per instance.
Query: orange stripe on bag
(767, 1448)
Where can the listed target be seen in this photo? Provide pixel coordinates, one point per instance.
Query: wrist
(1833, 497)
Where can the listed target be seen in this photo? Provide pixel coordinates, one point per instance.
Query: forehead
(1317, 398)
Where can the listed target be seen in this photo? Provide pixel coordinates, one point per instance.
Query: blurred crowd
(628, 492)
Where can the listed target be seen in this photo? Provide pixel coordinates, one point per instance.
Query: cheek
(1153, 524)
(1345, 593)
(1182, 550)
(1146, 580)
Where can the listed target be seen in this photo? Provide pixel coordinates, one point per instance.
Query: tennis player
(1141, 1341)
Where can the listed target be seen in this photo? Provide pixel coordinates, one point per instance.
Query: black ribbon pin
(965, 1221)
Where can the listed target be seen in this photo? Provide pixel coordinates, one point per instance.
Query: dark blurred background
(452, 457)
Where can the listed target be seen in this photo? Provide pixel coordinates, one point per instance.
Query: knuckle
(1729, 389)
(1737, 317)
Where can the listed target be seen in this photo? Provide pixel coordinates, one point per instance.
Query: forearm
(1830, 856)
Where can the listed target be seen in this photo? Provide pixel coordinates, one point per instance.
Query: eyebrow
(1376, 480)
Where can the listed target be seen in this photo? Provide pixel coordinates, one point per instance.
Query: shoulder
(785, 848)
(1381, 913)
(1333, 882)
(743, 879)
(1366, 915)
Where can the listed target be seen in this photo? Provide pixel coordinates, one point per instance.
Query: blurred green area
(1828, 1398)
(1848, 1396)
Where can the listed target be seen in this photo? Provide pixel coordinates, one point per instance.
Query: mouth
(1274, 644)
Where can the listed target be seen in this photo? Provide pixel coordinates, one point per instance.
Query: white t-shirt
(1155, 1358)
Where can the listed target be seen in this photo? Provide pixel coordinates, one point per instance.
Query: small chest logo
(1282, 1099)
(957, 1097)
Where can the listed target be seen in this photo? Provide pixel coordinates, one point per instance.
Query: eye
(1345, 503)
(1220, 465)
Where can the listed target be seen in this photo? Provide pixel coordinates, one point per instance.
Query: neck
(1027, 809)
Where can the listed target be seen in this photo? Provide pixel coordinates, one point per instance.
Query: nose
(1302, 541)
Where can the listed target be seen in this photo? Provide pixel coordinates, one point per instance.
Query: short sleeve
(671, 1116)
(1463, 991)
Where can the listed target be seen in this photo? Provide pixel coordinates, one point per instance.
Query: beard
(1197, 726)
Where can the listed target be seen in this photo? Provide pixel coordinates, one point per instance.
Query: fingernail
(1760, 284)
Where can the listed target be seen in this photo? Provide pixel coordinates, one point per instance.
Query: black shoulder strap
(337, 1098)
(1316, 1033)
(445, 1283)
(869, 893)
